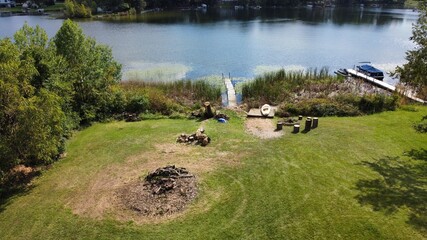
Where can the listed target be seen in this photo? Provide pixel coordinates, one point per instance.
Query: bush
(137, 104)
(74, 9)
(377, 103)
(421, 126)
(319, 108)
(342, 105)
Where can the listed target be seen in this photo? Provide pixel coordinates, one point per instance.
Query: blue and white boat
(370, 71)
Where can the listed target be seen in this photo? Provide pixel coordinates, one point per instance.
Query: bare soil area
(104, 196)
(263, 128)
(164, 191)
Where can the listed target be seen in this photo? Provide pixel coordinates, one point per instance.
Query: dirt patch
(99, 198)
(263, 128)
(164, 191)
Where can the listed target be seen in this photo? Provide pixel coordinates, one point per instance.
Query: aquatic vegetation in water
(161, 72)
(263, 69)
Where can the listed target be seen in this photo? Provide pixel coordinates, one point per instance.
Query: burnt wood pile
(164, 191)
(164, 179)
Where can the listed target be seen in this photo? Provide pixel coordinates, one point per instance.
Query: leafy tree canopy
(414, 72)
(48, 88)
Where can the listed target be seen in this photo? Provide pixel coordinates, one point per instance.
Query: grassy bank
(302, 186)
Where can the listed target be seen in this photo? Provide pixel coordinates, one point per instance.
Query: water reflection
(339, 16)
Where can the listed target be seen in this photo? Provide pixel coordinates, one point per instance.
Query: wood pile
(131, 117)
(198, 138)
(164, 179)
(164, 191)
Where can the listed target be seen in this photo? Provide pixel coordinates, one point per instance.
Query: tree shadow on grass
(402, 184)
(17, 185)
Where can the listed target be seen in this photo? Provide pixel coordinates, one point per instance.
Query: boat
(370, 71)
(265, 110)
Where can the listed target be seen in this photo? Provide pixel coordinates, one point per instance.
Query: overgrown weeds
(167, 98)
(277, 87)
(314, 92)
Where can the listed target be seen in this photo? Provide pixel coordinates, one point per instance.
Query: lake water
(245, 43)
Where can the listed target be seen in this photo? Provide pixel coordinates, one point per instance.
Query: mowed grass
(299, 186)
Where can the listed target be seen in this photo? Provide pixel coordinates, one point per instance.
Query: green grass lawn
(318, 185)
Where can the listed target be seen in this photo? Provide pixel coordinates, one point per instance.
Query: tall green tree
(33, 46)
(414, 72)
(91, 70)
(31, 120)
(47, 88)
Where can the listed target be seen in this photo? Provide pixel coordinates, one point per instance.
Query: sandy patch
(263, 128)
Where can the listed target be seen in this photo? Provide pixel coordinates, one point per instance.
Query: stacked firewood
(164, 179)
(199, 138)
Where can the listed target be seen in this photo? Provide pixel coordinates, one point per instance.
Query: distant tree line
(263, 3)
(84, 8)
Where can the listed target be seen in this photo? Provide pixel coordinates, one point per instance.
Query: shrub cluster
(74, 9)
(343, 105)
(421, 126)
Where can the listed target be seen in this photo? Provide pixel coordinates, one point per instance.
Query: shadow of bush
(402, 184)
(16, 184)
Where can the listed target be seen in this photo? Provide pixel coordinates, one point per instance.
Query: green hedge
(344, 105)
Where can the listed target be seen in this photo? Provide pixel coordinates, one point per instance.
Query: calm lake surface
(244, 43)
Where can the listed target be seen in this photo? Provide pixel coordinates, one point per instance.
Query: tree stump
(279, 126)
(307, 125)
(296, 128)
(300, 117)
(209, 113)
(315, 122)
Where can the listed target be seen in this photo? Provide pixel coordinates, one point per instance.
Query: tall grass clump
(167, 97)
(277, 87)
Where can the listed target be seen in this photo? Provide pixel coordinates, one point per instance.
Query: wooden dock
(256, 112)
(383, 85)
(231, 93)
